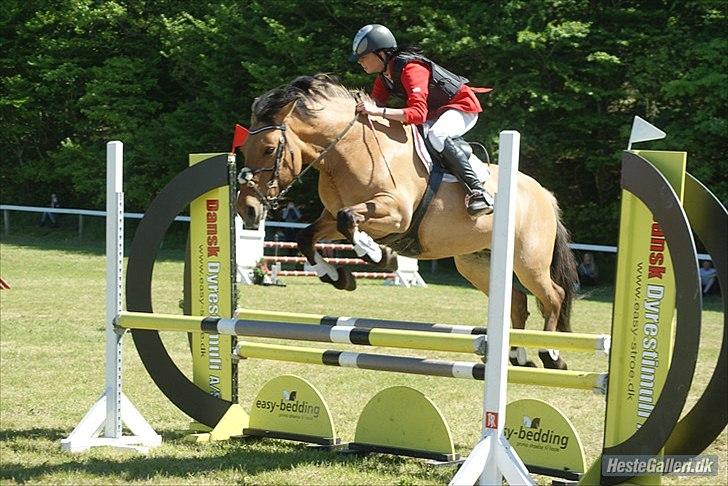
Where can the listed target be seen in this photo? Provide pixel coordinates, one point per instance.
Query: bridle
(247, 176)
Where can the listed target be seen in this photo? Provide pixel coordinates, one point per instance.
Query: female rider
(433, 96)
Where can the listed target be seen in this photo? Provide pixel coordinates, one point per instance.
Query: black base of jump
(329, 442)
(362, 448)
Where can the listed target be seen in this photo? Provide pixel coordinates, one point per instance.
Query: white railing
(6, 208)
(270, 224)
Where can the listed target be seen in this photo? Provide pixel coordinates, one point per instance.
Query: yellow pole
(159, 322)
(289, 317)
(580, 380)
(277, 352)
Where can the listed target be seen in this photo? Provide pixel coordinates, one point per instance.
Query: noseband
(246, 176)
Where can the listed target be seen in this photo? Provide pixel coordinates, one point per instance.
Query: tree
(170, 78)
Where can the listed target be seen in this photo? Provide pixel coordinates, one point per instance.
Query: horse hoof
(518, 356)
(551, 363)
(527, 364)
(388, 263)
(389, 259)
(346, 280)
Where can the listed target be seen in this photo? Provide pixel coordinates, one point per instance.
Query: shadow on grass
(7, 435)
(445, 273)
(248, 456)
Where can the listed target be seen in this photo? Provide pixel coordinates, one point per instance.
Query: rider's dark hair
(405, 49)
(408, 49)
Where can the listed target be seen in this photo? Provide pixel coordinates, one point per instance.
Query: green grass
(52, 370)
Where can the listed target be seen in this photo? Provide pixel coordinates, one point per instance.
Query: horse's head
(272, 162)
(311, 108)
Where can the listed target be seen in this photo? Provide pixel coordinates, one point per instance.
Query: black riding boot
(477, 198)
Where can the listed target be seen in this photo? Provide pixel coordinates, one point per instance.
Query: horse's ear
(285, 112)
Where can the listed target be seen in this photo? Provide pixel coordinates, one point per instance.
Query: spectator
(48, 215)
(588, 272)
(291, 214)
(708, 276)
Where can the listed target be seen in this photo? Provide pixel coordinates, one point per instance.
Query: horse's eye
(269, 151)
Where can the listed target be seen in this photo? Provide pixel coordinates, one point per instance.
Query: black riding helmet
(371, 38)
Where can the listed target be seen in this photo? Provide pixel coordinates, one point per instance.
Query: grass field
(52, 370)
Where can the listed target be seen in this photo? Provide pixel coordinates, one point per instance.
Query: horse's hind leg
(475, 267)
(550, 297)
(324, 228)
(519, 316)
(380, 214)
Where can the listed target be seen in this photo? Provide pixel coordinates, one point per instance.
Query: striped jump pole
(519, 337)
(289, 245)
(366, 332)
(407, 274)
(296, 259)
(578, 380)
(391, 338)
(304, 273)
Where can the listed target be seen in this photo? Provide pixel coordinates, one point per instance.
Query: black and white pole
(492, 458)
(102, 424)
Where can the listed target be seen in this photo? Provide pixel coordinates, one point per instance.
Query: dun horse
(371, 182)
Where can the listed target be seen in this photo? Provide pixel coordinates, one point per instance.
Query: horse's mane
(309, 91)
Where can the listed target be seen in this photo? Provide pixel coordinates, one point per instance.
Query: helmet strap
(384, 58)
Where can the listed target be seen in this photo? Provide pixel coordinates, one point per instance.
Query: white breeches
(452, 123)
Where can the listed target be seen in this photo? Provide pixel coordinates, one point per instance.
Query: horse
(370, 182)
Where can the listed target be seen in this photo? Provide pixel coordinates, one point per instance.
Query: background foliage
(171, 77)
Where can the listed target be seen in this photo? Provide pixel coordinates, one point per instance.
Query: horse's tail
(564, 270)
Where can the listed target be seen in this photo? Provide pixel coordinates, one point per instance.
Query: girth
(408, 243)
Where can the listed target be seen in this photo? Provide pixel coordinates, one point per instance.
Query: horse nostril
(250, 213)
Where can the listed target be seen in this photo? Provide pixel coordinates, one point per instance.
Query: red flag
(239, 137)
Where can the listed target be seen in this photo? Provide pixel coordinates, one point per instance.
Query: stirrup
(477, 203)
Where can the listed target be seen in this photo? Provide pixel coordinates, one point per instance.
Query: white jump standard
(492, 459)
(102, 425)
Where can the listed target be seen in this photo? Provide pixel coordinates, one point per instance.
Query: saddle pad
(481, 170)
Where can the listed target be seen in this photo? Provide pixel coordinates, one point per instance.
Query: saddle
(408, 243)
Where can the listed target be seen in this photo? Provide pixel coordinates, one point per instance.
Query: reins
(376, 139)
(246, 175)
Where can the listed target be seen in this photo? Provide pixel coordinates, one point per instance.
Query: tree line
(170, 78)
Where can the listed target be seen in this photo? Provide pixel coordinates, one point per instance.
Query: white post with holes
(102, 424)
(492, 458)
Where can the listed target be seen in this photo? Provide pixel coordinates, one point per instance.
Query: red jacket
(415, 80)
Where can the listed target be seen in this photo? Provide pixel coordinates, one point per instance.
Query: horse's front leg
(324, 228)
(381, 214)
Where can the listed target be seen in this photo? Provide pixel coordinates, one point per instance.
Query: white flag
(643, 131)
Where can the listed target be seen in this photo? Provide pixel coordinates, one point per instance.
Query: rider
(433, 96)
